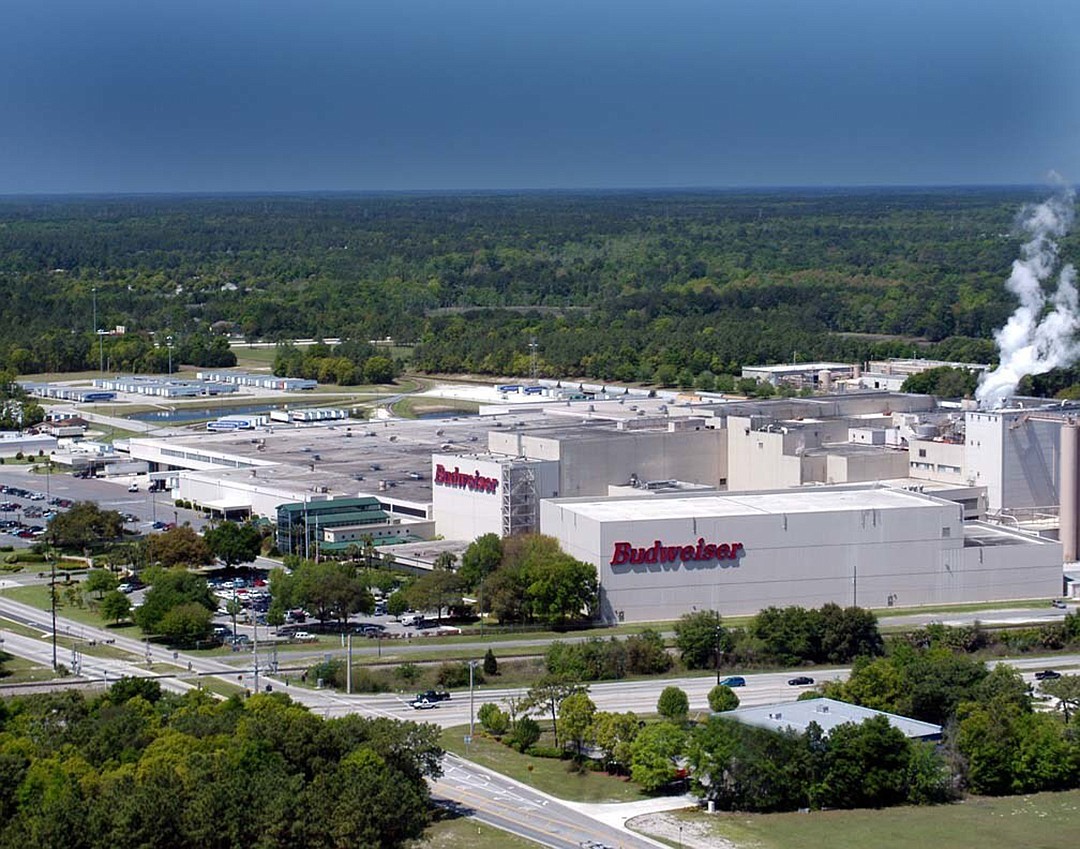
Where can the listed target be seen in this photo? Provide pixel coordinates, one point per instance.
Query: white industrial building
(660, 556)
(801, 478)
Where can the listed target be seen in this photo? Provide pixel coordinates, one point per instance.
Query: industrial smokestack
(1031, 343)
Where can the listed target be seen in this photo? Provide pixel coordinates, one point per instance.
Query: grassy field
(548, 775)
(37, 595)
(1040, 821)
(455, 832)
(18, 670)
(411, 408)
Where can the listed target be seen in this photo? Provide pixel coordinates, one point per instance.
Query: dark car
(800, 681)
(733, 681)
(1047, 675)
(432, 696)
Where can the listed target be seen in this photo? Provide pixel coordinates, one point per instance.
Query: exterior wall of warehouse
(589, 464)
(464, 514)
(873, 558)
(264, 501)
(461, 513)
(936, 461)
(759, 459)
(1016, 456)
(869, 466)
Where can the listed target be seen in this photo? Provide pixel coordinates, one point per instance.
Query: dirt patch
(694, 835)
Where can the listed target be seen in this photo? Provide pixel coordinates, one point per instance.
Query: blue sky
(283, 95)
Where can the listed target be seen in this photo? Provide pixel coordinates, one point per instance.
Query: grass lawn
(1024, 604)
(1043, 820)
(456, 832)
(411, 408)
(221, 688)
(545, 774)
(17, 670)
(37, 595)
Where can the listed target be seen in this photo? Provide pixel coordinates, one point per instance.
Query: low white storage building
(661, 556)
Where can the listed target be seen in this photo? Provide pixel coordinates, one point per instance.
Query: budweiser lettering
(625, 556)
(463, 480)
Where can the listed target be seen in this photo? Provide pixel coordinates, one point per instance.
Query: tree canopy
(136, 769)
(234, 543)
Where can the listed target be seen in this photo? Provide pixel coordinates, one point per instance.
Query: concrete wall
(463, 513)
(872, 558)
(866, 466)
(936, 461)
(589, 463)
(1016, 456)
(759, 459)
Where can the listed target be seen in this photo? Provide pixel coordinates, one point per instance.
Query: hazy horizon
(285, 97)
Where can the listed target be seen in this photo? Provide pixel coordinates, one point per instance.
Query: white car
(134, 487)
(303, 635)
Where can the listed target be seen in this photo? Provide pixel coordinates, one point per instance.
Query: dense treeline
(610, 285)
(135, 768)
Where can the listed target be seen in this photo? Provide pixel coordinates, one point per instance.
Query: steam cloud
(1030, 342)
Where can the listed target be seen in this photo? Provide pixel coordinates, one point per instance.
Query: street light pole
(472, 713)
(52, 599)
(168, 343)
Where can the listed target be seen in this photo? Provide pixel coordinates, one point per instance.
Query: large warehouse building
(660, 556)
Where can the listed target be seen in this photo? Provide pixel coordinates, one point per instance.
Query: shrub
(491, 665)
(524, 734)
(364, 681)
(408, 672)
(673, 704)
(451, 675)
(722, 698)
(332, 673)
(494, 720)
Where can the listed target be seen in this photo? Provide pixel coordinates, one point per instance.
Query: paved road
(503, 803)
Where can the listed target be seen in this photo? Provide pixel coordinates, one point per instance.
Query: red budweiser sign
(659, 555)
(463, 480)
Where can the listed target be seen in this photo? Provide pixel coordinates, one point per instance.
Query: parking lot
(22, 491)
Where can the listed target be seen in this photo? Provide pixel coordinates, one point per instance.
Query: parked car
(800, 681)
(303, 636)
(1047, 675)
(126, 588)
(733, 681)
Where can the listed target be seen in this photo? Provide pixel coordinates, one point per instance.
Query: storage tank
(1070, 490)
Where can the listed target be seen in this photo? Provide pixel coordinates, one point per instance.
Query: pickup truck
(432, 696)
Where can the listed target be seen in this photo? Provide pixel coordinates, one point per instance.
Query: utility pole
(472, 713)
(255, 644)
(52, 598)
(348, 669)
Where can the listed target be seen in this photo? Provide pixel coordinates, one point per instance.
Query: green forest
(631, 286)
(134, 767)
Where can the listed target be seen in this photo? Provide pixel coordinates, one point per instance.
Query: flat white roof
(808, 500)
(782, 367)
(828, 714)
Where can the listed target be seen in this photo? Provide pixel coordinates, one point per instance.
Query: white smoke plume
(1032, 342)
